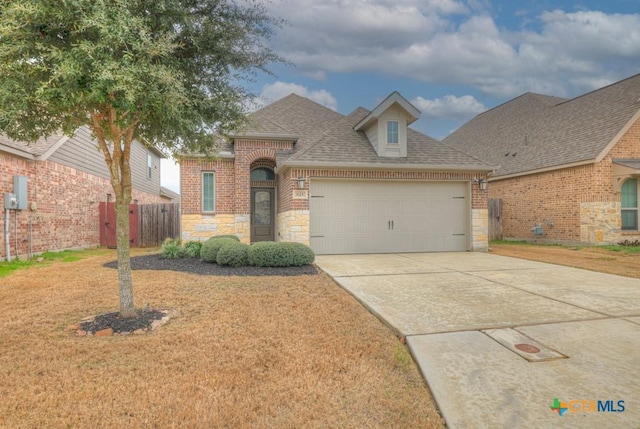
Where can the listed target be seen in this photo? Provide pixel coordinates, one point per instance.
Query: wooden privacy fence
(495, 219)
(149, 224)
(157, 222)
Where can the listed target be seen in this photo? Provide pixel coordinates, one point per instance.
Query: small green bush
(171, 249)
(211, 247)
(234, 254)
(265, 254)
(232, 237)
(192, 249)
(271, 254)
(299, 253)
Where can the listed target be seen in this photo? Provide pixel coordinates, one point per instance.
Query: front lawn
(620, 260)
(256, 352)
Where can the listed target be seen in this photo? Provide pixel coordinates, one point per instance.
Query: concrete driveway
(498, 339)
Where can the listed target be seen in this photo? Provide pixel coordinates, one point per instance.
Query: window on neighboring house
(149, 166)
(208, 192)
(392, 132)
(629, 197)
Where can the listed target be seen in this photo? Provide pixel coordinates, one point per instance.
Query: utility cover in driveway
(362, 216)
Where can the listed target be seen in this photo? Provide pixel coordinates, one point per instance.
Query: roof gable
(411, 112)
(292, 117)
(534, 132)
(34, 150)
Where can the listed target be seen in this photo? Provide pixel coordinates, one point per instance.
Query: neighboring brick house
(67, 178)
(569, 166)
(361, 183)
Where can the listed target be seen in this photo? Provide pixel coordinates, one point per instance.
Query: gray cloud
(441, 42)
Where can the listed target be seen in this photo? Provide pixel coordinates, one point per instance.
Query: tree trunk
(117, 160)
(125, 282)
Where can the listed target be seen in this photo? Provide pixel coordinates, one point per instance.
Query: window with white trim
(392, 132)
(149, 166)
(208, 192)
(629, 197)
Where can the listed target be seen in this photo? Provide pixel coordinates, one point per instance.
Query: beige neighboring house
(361, 183)
(168, 196)
(568, 166)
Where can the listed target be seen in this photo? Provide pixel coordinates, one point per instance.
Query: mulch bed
(143, 320)
(196, 266)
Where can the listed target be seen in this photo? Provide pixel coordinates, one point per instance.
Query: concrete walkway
(498, 338)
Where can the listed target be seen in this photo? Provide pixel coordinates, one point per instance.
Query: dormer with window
(386, 126)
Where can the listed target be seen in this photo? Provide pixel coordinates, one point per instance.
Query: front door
(262, 214)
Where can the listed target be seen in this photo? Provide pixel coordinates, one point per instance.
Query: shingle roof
(35, 149)
(327, 137)
(294, 115)
(535, 131)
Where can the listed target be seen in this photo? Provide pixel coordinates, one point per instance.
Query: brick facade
(575, 205)
(232, 194)
(63, 206)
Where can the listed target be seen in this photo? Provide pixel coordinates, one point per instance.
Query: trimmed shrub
(234, 254)
(265, 254)
(299, 253)
(192, 249)
(271, 254)
(171, 249)
(232, 237)
(211, 247)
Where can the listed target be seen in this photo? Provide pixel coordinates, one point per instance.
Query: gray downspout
(6, 234)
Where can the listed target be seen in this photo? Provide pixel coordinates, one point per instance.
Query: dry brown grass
(588, 258)
(260, 352)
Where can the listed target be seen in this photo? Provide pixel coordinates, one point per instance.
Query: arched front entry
(263, 202)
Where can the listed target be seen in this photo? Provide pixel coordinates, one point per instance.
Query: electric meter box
(10, 201)
(20, 191)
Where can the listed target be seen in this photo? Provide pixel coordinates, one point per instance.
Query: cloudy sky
(452, 59)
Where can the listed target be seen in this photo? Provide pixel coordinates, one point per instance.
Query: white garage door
(350, 216)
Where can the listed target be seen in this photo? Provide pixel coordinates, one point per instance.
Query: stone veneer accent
(198, 227)
(600, 223)
(293, 225)
(479, 230)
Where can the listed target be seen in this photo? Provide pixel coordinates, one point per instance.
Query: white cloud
(449, 107)
(170, 174)
(275, 91)
(441, 42)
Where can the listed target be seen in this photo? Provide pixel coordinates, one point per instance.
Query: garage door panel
(349, 216)
(347, 225)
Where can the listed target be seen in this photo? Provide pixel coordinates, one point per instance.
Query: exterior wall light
(300, 182)
(483, 184)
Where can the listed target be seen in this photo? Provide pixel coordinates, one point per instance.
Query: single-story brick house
(569, 166)
(67, 178)
(360, 183)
